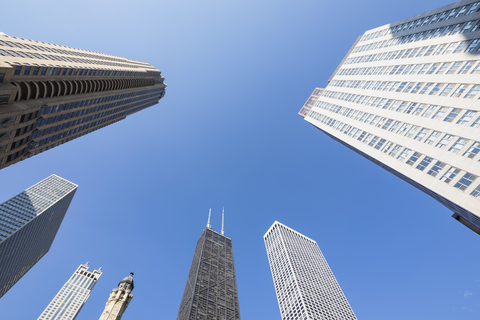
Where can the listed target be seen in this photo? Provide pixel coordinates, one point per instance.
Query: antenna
(208, 223)
(223, 218)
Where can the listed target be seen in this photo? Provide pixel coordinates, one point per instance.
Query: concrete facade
(75, 292)
(406, 97)
(51, 94)
(305, 285)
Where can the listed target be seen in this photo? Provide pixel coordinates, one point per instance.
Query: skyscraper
(406, 97)
(306, 287)
(211, 289)
(51, 94)
(28, 225)
(119, 300)
(70, 299)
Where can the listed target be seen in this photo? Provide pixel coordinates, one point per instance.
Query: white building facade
(306, 287)
(70, 299)
(406, 97)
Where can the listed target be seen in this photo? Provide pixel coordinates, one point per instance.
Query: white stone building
(406, 97)
(305, 285)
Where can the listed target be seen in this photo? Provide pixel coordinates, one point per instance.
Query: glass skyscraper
(70, 299)
(306, 287)
(406, 97)
(28, 225)
(51, 94)
(211, 289)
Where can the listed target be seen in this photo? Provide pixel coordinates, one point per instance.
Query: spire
(208, 223)
(223, 217)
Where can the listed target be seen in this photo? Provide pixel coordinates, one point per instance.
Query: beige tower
(118, 300)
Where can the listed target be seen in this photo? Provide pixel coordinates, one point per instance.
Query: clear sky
(227, 134)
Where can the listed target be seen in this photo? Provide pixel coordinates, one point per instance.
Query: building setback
(406, 97)
(28, 225)
(70, 299)
(211, 288)
(305, 285)
(51, 94)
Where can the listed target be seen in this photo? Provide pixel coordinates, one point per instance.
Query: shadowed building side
(211, 288)
(28, 225)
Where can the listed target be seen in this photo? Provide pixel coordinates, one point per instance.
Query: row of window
(73, 105)
(425, 51)
(434, 18)
(128, 109)
(454, 90)
(66, 116)
(408, 156)
(429, 136)
(422, 68)
(465, 27)
(50, 70)
(10, 44)
(413, 108)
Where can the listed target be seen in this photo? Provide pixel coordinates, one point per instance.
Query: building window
(446, 140)
(421, 134)
(437, 167)
(452, 115)
(466, 181)
(476, 124)
(447, 89)
(414, 158)
(460, 90)
(4, 99)
(466, 117)
(457, 146)
(450, 175)
(473, 150)
(476, 192)
(473, 92)
(424, 163)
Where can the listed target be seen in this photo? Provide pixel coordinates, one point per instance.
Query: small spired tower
(118, 300)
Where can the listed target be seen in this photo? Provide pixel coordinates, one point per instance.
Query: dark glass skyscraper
(211, 289)
(51, 94)
(28, 225)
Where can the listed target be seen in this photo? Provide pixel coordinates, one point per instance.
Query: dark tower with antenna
(211, 289)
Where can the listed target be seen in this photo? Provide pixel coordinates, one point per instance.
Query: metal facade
(211, 289)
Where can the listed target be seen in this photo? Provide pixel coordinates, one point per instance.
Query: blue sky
(227, 134)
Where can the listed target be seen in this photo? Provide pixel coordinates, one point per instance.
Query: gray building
(51, 94)
(305, 285)
(28, 225)
(406, 97)
(211, 288)
(70, 299)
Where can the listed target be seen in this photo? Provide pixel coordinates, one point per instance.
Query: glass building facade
(305, 285)
(51, 94)
(407, 97)
(211, 289)
(28, 225)
(70, 299)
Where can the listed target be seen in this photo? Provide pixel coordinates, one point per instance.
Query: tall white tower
(118, 300)
(70, 299)
(406, 97)
(306, 287)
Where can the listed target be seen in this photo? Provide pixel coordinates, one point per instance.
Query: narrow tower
(118, 300)
(211, 289)
(70, 299)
